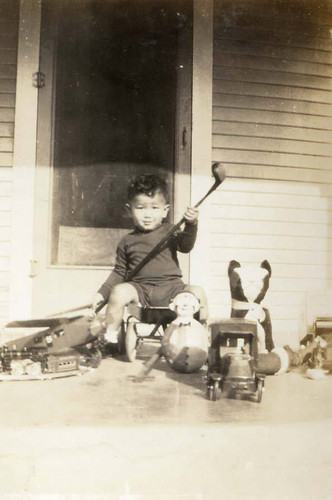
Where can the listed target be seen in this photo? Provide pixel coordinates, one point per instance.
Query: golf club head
(218, 172)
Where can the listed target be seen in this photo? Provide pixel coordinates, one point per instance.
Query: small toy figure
(248, 287)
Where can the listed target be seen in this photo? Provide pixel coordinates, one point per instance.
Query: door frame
(24, 161)
(201, 145)
(32, 167)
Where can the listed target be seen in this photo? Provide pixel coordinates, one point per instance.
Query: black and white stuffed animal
(248, 287)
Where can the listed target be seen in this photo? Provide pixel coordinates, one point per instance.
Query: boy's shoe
(111, 336)
(96, 327)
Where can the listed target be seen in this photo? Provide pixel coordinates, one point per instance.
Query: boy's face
(148, 212)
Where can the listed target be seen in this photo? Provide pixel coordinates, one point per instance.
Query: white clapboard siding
(266, 131)
(311, 247)
(295, 270)
(4, 233)
(272, 129)
(5, 203)
(4, 263)
(280, 284)
(277, 67)
(263, 227)
(265, 198)
(280, 52)
(9, 17)
(5, 218)
(5, 188)
(275, 299)
(280, 214)
(248, 171)
(4, 280)
(277, 145)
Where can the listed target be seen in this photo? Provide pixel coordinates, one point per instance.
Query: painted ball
(185, 346)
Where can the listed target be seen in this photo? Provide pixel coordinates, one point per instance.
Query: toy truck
(232, 361)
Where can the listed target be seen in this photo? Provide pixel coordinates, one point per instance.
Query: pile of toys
(238, 352)
(61, 347)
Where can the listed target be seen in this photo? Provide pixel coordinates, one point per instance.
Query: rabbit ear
(266, 265)
(233, 265)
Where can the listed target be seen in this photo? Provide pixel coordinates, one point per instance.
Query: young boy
(160, 279)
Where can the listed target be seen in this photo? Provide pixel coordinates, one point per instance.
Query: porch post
(24, 159)
(202, 132)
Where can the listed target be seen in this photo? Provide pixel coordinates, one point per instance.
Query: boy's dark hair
(149, 184)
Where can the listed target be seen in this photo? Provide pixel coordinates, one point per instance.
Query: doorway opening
(115, 109)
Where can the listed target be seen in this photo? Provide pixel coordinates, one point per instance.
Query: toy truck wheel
(212, 391)
(259, 392)
(121, 339)
(130, 342)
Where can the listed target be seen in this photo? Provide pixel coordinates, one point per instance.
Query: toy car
(232, 361)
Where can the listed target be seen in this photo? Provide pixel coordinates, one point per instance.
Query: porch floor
(101, 434)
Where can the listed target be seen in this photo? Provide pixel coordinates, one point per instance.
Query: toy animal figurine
(248, 286)
(311, 356)
(185, 341)
(314, 358)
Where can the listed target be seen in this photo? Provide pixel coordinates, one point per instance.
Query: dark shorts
(158, 295)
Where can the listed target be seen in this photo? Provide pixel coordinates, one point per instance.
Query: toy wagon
(232, 361)
(142, 325)
(149, 324)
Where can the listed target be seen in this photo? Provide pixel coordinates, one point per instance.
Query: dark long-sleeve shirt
(162, 268)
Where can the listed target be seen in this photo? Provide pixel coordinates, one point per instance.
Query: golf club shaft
(166, 238)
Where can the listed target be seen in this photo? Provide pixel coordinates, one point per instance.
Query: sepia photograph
(166, 249)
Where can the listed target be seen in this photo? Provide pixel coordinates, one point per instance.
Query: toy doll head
(185, 304)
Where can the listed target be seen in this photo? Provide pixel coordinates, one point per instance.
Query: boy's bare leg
(121, 295)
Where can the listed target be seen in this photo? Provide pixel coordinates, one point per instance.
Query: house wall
(272, 121)
(9, 19)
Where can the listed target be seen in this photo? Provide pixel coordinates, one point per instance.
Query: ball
(185, 346)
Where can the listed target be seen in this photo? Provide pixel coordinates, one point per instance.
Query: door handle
(184, 137)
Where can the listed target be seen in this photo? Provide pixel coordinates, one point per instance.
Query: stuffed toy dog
(248, 287)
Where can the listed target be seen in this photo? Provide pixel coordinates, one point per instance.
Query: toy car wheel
(212, 391)
(131, 342)
(90, 357)
(121, 339)
(96, 358)
(259, 392)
